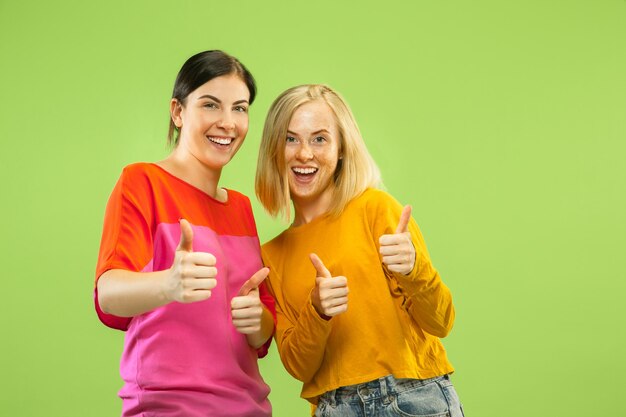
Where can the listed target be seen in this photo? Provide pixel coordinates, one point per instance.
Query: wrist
(324, 316)
(319, 312)
(164, 292)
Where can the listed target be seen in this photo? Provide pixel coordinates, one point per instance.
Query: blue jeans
(387, 396)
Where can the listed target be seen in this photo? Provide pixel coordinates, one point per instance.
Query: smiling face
(311, 155)
(213, 121)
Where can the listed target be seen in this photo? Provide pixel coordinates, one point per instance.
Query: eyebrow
(313, 133)
(218, 100)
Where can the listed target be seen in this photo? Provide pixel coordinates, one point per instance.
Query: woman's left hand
(397, 249)
(246, 307)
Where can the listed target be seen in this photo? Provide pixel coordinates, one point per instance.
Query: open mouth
(222, 141)
(304, 171)
(304, 174)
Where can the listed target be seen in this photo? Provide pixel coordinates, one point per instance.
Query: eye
(210, 105)
(241, 109)
(318, 140)
(291, 139)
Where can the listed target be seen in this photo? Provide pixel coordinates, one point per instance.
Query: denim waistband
(378, 388)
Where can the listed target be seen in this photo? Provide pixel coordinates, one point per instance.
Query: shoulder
(143, 183)
(237, 198)
(274, 242)
(373, 199)
(375, 194)
(239, 202)
(274, 254)
(139, 168)
(139, 172)
(274, 246)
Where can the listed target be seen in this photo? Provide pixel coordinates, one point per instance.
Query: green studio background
(501, 122)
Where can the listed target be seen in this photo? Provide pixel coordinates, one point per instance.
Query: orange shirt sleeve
(126, 236)
(429, 301)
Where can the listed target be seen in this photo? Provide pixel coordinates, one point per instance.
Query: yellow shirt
(393, 322)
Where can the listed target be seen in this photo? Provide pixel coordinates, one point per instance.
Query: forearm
(302, 345)
(127, 294)
(258, 339)
(439, 319)
(429, 300)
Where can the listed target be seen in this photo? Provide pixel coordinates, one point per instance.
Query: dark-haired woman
(179, 267)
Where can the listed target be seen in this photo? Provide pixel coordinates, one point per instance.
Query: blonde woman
(360, 307)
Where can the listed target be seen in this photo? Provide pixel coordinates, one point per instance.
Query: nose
(304, 152)
(226, 122)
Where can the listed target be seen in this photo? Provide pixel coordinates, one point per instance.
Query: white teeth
(221, 141)
(304, 170)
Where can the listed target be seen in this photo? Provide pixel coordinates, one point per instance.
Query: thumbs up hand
(397, 249)
(330, 295)
(246, 308)
(192, 274)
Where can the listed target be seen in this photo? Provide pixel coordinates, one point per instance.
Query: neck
(189, 169)
(307, 210)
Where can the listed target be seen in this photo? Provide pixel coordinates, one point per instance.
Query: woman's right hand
(192, 274)
(330, 295)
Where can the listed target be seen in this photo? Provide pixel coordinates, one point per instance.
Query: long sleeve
(405, 315)
(428, 299)
(300, 336)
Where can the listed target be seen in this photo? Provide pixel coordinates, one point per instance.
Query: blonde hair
(356, 170)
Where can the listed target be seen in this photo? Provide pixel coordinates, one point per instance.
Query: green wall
(502, 122)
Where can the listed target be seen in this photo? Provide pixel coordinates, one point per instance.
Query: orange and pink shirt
(184, 359)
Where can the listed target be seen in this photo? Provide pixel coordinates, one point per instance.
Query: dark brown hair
(201, 68)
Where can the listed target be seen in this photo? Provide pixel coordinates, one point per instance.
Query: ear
(175, 112)
(341, 146)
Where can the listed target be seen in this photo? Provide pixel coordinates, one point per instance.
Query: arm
(302, 343)
(429, 301)
(302, 349)
(126, 293)
(301, 334)
(190, 278)
(406, 259)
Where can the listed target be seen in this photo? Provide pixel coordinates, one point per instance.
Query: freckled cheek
(289, 154)
(330, 160)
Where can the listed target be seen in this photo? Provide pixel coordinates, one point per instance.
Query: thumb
(404, 220)
(319, 266)
(186, 236)
(254, 281)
